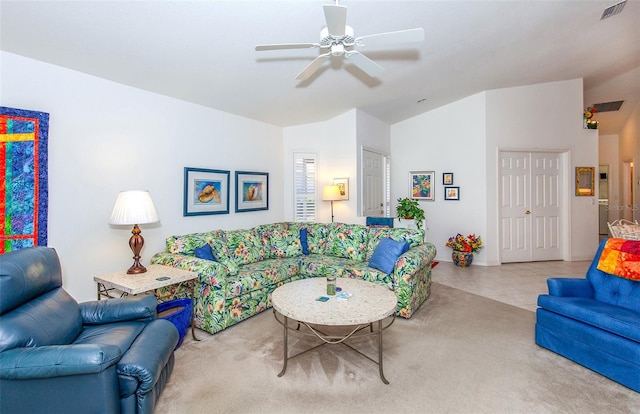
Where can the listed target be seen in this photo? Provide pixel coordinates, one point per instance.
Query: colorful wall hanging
(24, 186)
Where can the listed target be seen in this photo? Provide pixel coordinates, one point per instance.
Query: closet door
(530, 206)
(545, 206)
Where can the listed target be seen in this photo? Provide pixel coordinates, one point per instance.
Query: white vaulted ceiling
(203, 52)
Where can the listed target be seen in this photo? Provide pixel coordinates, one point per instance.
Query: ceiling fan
(339, 41)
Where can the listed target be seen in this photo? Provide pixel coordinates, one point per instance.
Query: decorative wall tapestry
(23, 190)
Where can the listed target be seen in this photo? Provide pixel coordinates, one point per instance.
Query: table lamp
(134, 208)
(331, 193)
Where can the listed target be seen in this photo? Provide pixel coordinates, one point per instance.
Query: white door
(530, 206)
(546, 174)
(373, 190)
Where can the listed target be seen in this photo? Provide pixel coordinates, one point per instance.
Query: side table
(155, 278)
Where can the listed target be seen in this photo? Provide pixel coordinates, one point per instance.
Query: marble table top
(144, 282)
(370, 302)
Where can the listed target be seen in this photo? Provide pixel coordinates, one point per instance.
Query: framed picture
(252, 191)
(452, 193)
(585, 181)
(422, 185)
(205, 191)
(447, 178)
(343, 185)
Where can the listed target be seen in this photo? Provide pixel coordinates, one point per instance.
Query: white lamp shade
(134, 207)
(331, 193)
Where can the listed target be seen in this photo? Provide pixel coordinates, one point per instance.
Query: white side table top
(370, 302)
(142, 282)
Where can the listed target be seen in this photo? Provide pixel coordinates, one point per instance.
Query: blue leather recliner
(58, 356)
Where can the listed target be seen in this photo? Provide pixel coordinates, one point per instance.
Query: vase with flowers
(589, 122)
(463, 248)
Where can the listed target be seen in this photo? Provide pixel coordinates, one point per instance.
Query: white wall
(545, 117)
(451, 138)
(609, 154)
(105, 137)
(630, 151)
(465, 138)
(334, 141)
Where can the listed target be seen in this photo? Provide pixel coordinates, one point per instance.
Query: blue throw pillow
(386, 253)
(204, 252)
(303, 241)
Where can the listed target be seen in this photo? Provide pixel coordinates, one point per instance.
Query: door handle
(527, 212)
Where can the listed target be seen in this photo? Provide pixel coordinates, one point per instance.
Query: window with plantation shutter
(305, 166)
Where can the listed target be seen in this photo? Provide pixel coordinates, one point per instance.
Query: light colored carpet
(460, 353)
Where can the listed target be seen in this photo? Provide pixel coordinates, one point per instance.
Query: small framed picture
(452, 193)
(343, 185)
(422, 185)
(252, 191)
(205, 191)
(447, 178)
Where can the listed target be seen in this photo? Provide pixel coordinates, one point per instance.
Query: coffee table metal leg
(380, 353)
(286, 338)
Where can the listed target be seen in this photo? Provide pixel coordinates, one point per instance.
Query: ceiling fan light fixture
(339, 38)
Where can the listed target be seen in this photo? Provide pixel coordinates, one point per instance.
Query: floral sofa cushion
(280, 241)
(317, 237)
(412, 236)
(187, 244)
(222, 254)
(348, 241)
(245, 246)
(258, 275)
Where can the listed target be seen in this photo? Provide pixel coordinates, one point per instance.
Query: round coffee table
(368, 306)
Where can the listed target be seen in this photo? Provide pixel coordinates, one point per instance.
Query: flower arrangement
(590, 123)
(460, 243)
(408, 208)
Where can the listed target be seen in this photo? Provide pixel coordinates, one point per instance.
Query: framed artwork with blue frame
(252, 191)
(206, 191)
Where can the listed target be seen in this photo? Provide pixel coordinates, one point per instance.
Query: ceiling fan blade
(336, 17)
(401, 36)
(367, 65)
(287, 46)
(313, 67)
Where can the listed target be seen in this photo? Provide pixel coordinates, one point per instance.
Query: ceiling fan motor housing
(327, 40)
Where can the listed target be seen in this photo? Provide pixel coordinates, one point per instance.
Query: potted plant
(408, 209)
(463, 248)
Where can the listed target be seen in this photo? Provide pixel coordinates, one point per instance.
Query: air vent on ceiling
(608, 106)
(612, 10)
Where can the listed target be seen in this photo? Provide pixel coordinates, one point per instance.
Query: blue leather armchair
(58, 356)
(594, 321)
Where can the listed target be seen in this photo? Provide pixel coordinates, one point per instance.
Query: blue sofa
(58, 356)
(595, 321)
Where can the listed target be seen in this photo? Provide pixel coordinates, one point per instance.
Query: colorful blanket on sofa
(621, 258)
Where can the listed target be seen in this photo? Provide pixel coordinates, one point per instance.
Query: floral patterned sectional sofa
(245, 266)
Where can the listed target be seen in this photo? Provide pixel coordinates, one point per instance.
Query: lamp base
(136, 268)
(136, 242)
